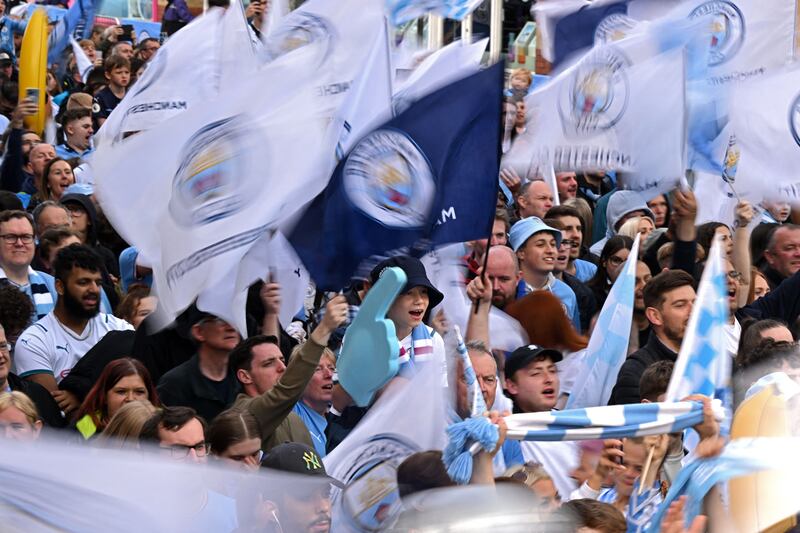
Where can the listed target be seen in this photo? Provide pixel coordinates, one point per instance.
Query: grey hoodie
(620, 204)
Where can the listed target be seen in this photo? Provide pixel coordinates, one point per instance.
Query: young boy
(118, 76)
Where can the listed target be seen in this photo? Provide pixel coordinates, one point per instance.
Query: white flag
(621, 107)
(216, 178)
(340, 31)
(453, 62)
(748, 38)
(703, 365)
(608, 346)
(765, 126)
(368, 103)
(409, 417)
(85, 66)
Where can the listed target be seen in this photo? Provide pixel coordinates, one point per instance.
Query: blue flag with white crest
(426, 177)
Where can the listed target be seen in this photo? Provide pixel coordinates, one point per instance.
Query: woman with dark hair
(612, 258)
(235, 438)
(706, 233)
(57, 176)
(122, 381)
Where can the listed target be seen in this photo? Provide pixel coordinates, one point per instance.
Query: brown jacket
(273, 409)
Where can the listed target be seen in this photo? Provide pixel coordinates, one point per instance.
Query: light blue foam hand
(370, 349)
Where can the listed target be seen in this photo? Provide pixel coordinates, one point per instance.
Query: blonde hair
(533, 473)
(22, 403)
(125, 426)
(522, 72)
(630, 228)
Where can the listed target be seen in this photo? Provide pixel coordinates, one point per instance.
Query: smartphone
(32, 94)
(127, 32)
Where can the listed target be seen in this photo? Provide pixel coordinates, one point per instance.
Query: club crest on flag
(597, 97)
(726, 30)
(794, 119)
(301, 29)
(613, 28)
(389, 179)
(205, 187)
(371, 495)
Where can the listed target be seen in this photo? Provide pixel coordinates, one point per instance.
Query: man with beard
(47, 350)
(668, 301)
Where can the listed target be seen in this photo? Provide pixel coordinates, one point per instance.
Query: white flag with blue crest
(608, 346)
(621, 107)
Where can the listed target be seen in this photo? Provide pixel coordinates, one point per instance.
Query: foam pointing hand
(370, 350)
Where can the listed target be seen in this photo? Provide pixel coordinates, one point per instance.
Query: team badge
(794, 119)
(596, 97)
(388, 178)
(726, 29)
(614, 28)
(371, 497)
(206, 187)
(302, 29)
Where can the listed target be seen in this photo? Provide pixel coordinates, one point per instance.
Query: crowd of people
(81, 358)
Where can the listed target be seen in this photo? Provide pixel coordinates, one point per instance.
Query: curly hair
(16, 309)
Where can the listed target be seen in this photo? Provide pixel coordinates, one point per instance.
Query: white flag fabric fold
(85, 66)
(173, 81)
(443, 67)
(608, 345)
(216, 179)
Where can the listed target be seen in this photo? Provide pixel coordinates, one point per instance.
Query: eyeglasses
(5, 347)
(181, 451)
(734, 275)
(12, 238)
(616, 261)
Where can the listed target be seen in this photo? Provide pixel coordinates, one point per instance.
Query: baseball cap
(415, 276)
(299, 459)
(522, 356)
(526, 228)
(79, 188)
(5, 58)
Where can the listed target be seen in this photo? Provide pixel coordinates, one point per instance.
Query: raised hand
(370, 349)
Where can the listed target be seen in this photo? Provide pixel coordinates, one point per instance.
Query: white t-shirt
(49, 347)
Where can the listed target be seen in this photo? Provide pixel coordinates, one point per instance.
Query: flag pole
(501, 132)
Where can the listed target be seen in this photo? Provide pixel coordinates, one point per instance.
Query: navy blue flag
(427, 177)
(581, 29)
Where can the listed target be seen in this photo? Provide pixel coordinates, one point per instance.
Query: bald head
(535, 199)
(502, 271)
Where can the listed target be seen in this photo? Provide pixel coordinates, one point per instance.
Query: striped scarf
(420, 352)
(39, 293)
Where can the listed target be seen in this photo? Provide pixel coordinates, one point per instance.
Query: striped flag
(608, 346)
(402, 11)
(607, 422)
(704, 365)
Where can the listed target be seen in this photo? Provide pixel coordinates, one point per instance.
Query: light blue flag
(740, 457)
(77, 22)
(704, 365)
(402, 11)
(608, 346)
